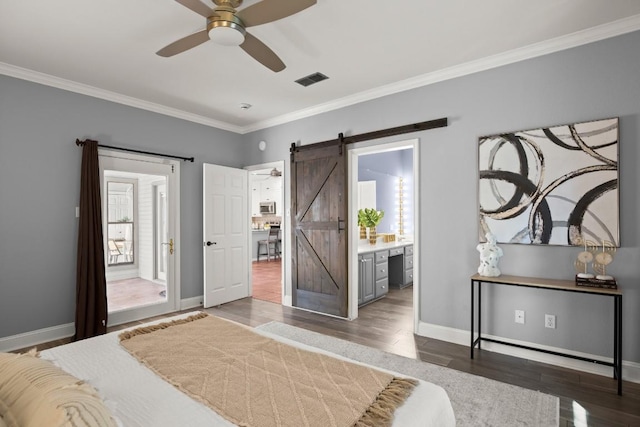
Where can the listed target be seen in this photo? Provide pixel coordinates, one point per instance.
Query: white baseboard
(187, 303)
(287, 300)
(33, 338)
(630, 370)
(122, 274)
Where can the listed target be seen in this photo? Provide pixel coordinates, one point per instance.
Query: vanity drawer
(382, 287)
(382, 256)
(408, 277)
(396, 251)
(408, 262)
(408, 250)
(382, 270)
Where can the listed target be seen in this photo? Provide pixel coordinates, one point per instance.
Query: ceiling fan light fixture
(226, 33)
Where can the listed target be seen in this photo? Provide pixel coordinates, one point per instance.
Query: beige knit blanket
(252, 380)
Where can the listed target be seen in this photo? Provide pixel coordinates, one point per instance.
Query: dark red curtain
(91, 285)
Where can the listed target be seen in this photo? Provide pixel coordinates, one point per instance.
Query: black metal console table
(554, 285)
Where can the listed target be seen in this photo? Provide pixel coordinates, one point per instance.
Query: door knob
(211, 243)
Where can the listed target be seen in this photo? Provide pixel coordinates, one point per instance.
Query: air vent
(311, 79)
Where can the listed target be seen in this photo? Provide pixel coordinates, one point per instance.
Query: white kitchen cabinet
(266, 190)
(271, 191)
(255, 197)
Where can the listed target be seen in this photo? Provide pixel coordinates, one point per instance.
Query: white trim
(285, 223)
(601, 32)
(189, 303)
(177, 235)
(39, 336)
(578, 38)
(83, 89)
(287, 299)
(145, 162)
(53, 333)
(630, 370)
(353, 155)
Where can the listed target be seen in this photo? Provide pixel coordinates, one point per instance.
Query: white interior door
(225, 234)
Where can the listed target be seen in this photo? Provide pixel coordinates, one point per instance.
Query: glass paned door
(140, 213)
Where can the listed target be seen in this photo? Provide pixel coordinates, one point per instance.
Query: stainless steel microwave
(267, 208)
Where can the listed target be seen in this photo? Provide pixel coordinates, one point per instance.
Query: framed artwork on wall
(551, 186)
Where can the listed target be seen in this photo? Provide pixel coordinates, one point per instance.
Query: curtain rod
(130, 150)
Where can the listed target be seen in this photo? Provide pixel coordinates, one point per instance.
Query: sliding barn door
(318, 223)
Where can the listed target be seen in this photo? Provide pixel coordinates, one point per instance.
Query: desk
(553, 285)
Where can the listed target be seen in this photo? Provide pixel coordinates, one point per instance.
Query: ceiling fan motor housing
(225, 28)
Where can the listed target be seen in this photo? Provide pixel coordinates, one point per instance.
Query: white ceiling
(368, 48)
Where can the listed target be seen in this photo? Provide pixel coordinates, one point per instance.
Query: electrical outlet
(550, 321)
(520, 316)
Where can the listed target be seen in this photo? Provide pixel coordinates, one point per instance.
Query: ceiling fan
(227, 26)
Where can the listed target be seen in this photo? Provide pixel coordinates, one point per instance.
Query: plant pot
(363, 232)
(373, 236)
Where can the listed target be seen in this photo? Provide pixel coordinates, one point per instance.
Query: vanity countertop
(364, 246)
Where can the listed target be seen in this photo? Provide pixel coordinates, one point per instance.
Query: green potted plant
(371, 218)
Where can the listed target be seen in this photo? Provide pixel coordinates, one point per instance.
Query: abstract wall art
(550, 186)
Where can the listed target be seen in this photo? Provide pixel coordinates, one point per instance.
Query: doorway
(140, 199)
(391, 170)
(268, 230)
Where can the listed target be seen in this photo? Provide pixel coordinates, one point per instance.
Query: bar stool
(271, 244)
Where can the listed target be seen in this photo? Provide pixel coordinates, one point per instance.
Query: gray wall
(38, 194)
(39, 190)
(594, 81)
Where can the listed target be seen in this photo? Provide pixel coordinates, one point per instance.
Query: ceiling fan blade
(198, 7)
(261, 53)
(184, 43)
(271, 10)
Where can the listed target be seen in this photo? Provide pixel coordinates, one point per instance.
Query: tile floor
(127, 293)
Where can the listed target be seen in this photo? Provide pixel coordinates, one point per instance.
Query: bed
(136, 396)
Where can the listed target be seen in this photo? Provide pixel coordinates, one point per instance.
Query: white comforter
(138, 397)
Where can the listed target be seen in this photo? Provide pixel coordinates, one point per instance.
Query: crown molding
(601, 32)
(83, 89)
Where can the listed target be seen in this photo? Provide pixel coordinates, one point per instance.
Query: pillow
(34, 392)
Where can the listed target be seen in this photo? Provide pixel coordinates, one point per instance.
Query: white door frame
(284, 228)
(158, 245)
(352, 183)
(173, 263)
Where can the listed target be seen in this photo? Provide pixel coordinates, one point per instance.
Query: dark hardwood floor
(585, 399)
